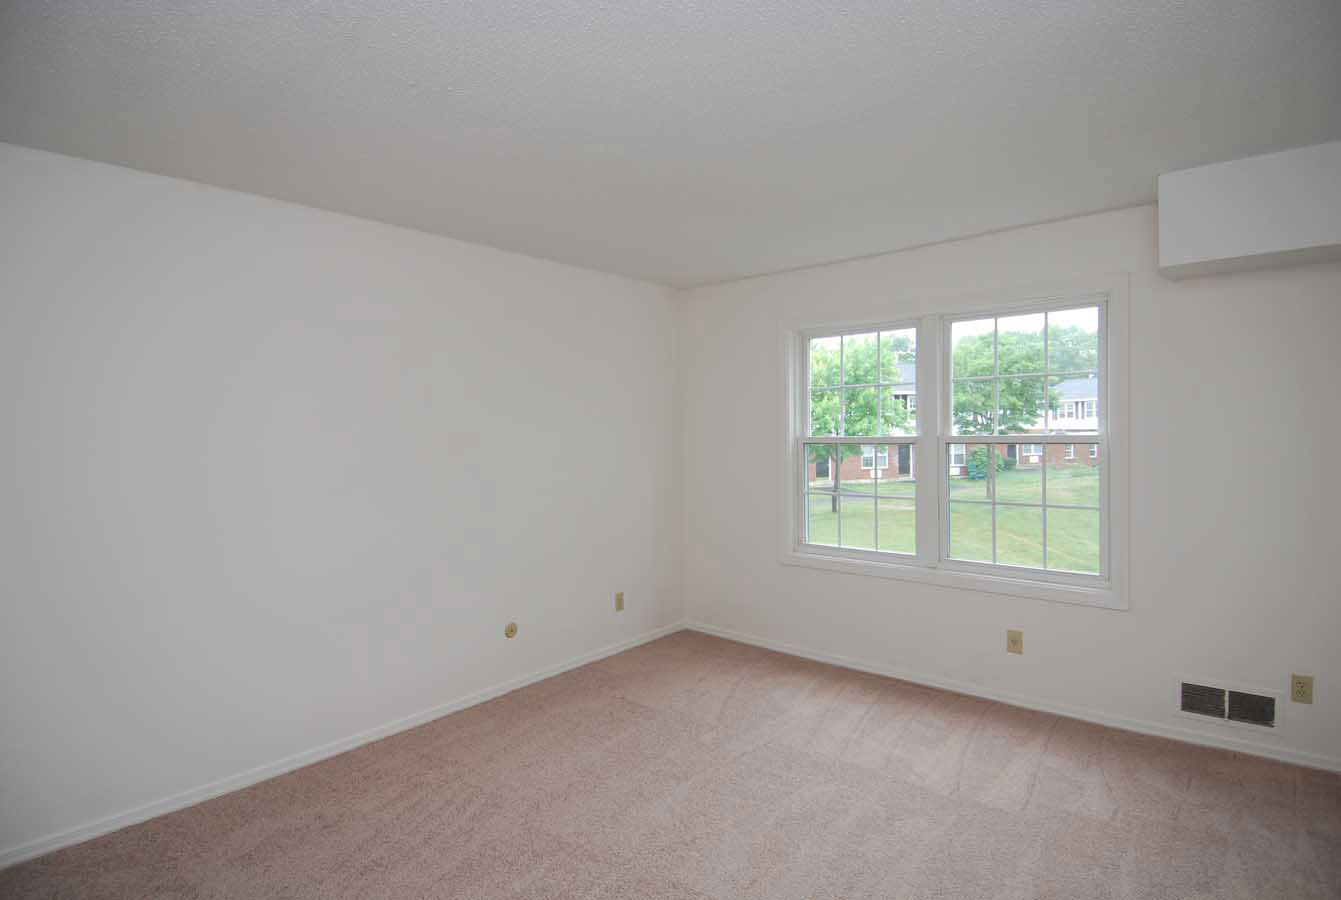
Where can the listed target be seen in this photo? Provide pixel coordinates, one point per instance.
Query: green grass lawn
(1073, 534)
(898, 530)
(1069, 484)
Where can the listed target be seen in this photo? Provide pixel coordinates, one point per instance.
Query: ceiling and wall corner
(678, 143)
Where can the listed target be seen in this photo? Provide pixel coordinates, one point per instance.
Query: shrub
(977, 464)
(980, 459)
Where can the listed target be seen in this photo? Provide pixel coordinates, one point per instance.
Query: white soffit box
(1271, 210)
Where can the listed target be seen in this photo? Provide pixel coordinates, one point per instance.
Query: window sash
(949, 562)
(1098, 437)
(878, 385)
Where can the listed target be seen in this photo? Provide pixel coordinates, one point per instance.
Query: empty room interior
(802, 450)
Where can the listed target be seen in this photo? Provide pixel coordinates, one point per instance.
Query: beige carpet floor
(694, 767)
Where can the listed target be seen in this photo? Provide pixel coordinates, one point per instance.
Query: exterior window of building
(871, 459)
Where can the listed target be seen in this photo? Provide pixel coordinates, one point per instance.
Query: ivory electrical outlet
(1301, 688)
(619, 601)
(1014, 641)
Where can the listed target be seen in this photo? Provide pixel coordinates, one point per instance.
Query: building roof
(1070, 389)
(1077, 389)
(907, 378)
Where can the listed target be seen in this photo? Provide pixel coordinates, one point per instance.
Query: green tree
(1072, 349)
(839, 408)
(982, 463)
(1011, 353)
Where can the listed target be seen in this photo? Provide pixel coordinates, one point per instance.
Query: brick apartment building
(1075, 408)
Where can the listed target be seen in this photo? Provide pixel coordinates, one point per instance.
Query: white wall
(1235, 489)
(273, 477)
(257, 497)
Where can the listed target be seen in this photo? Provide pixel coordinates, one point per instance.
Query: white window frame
(1070, 452)
(875, 456)
(1094, 451)
(930, 563)
(962, 454)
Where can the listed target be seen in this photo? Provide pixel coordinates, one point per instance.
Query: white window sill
(1102, 595)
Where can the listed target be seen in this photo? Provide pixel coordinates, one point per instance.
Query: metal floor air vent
(1203, 700)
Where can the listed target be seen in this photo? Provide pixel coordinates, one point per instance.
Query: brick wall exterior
(1056, 454)
(851, 469)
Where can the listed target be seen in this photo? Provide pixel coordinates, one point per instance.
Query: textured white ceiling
(681, 142)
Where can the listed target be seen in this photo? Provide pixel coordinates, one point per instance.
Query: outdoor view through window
(1020, 454)
(862, 495)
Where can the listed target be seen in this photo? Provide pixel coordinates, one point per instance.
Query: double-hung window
(941, 449)
(874, 458)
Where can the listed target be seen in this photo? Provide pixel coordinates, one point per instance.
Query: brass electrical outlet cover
(619, 601)
(1301, 688)
(1014, 641)
(510, 630)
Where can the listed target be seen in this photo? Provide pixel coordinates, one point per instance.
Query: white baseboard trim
(1187, 735)
(80, 833)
